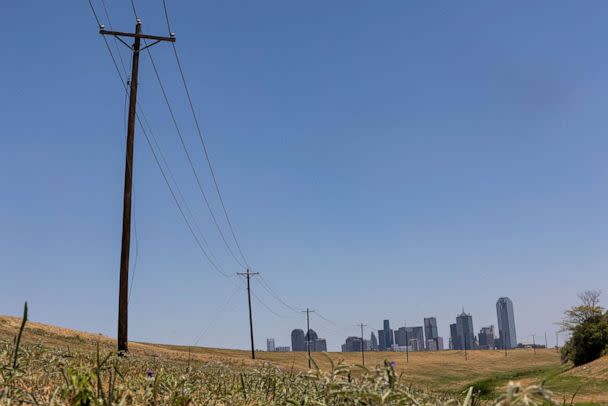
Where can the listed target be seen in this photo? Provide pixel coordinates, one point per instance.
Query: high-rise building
(353, 344)
(373, 342)
(312, 335)
(454, 337)
(439, 341)
(486, 338)
(318, 345)
(416, 338)
(506, 323)
(270, 345)
(430, 328)
(400, 337)
(464, 331)
(388, 335)
(298, 342)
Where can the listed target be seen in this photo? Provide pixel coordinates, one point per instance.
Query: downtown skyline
(463, 334)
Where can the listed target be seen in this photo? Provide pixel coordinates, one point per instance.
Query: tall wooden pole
(248, 275)
(123, 287)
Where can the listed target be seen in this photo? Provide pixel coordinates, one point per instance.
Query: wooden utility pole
(534, 343)
(407, 344)
(308, 311)
(362, 343)
(248, 275)
(123, 289)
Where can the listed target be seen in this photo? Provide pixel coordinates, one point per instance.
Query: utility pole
(308, 311)
(248, 275)
(534, 343)
(362, 343)
(556, 342)
(407, 344)
(546, 345)
(123, 290)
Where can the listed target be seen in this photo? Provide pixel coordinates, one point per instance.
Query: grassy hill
(444, 372)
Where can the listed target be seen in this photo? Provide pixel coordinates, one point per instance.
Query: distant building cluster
(462, 336)
(307, 342)
(418, 338)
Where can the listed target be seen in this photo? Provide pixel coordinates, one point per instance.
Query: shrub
(589, 341)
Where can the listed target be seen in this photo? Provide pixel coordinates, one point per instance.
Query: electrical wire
(218, 313)
(191, 163)
(260, 301)
(200, 136)
(155, 155)
(272, 293)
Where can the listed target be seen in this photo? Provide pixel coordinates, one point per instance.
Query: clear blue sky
(379, 160)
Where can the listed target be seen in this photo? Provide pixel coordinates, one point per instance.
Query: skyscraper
(386, 337)
(486, 338)
(431, 334)
(297, 340)
(430, 328)
(506, 323)
(373, 342)
(464, 330)
(416, 338)
(454, 337)
(270, 347)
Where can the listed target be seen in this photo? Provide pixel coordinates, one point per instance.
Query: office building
(486, 338)
(298, 343)
(270, 345)
(373, 342)
(464, 330)
(454, 337)
(318, 345)
(282, 349)
(353, 344)
(386, 336)
(506, 323)
(430, 328)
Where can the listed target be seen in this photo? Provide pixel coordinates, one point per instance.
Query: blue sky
(379, 160)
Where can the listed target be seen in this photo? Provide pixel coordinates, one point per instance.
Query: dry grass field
(445, 372)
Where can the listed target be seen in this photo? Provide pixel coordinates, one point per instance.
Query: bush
(589, 341)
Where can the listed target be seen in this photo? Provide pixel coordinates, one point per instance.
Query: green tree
(588, 324)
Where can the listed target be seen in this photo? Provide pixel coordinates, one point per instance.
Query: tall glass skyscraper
(465, 332)
(506, 323)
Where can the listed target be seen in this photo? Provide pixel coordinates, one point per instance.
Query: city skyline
(462, 334)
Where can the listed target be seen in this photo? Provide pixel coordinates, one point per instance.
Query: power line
(191, 163)
(218, 314)
(150, 131)
(278, 298)
(260, 301)
(200, 136)
(155, 156)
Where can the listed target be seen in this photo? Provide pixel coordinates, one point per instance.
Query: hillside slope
(437, 371)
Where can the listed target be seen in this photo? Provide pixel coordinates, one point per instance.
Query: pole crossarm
(119, 34)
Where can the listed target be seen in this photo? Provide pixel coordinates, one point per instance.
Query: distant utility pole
(534, 344)
(556, 341)
(362, 343)
(546, 345)
(123, 290)
(308, 311)
(248, 275)
(407, 344)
